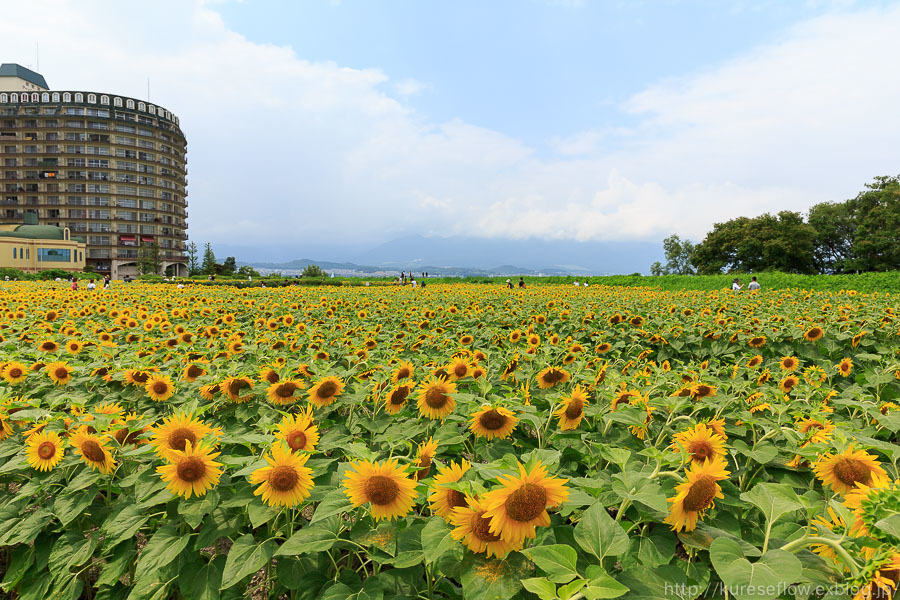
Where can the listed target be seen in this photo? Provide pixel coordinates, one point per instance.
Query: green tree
(656, 269)
(209, 260)
(678, 255)
(314, 271)
(193, 262)
(247, 271)
(782, 242)
(149, 259)
(876, 239)
(229, 266)
(835, 227)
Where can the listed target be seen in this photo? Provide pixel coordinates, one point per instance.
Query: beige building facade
(108, 168)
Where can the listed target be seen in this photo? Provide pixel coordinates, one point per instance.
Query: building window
(45, 97)
(104, 99)
(54, 255)
(117, 101)
(129, 104)
(14, 252)
(92, 99)
(79, 97)
(4, 98)
(56, 96)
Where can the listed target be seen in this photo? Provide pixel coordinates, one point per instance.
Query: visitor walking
(91, 285)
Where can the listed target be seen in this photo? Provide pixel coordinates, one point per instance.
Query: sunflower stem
(834, 545)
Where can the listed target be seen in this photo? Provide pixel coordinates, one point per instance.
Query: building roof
(14, 70)
(38, 232)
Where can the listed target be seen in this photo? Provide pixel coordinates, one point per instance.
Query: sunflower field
(459, 441)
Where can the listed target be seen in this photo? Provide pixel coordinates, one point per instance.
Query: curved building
(109, 168)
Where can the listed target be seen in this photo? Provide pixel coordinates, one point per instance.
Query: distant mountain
(472, 256)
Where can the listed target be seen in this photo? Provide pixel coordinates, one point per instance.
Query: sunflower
(136, 377)
(436, 398)
(520, 505)
(44, 450)
(177, 431)
(269, 375)
(424, 456)
(396, 397)
(491, 423)
(787, 384)
(208, 392)
(473, 528)
(325, 391)
(74, 346)
(755, 361)
(551, 376)
(459, 368)
(510, 369)
(816, 431)
(844, 367)
(442, 499)
(814, 334)
(14, 372)
(192, 372)
(879, 578)
(108, 408)
(123, 432)
(233, 387)
(298, 431)
(384, 484)
(845, 470)
(159, 388)
(702, 390)
(697, 494)
(48, 346)
(6, 429)
(872, 503)
(93, 450)
(59, 372)
(192, 471)
(403, 371)
(571, 411)
(757, 341)
(701, 443)
(282, 392)
(789, 363)
(286, 481)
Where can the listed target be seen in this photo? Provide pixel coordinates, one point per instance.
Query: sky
(359, 121)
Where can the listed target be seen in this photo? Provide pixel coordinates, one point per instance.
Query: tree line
(857, 235)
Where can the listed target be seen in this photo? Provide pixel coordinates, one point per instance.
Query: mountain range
(459, 256)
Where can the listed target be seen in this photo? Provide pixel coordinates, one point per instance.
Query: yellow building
(32, 248)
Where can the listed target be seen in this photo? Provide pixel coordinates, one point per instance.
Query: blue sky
(321, 123)
(527, 68)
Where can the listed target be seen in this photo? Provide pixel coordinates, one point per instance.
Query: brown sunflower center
(285, 390)
(754, 361)
(48, 346)
(191, 469)
(140, 377)
(46, 450)
(272, 377)
(703, 390)
(61, 373)
(849, 471)
(436, 398)
(381, 490)
(15, 372)
(701, 450)
(296, 439)
(482, 529)
(456, 498)
(179, 438)
(283, 478)
(492, 420)
(403, 373)
(460, 370)
(574, 409)
(235, 387)
(327, 389)
(399, 395)
(700, 496)
(526, 503)
(194, 371)
(553, 376)
(160, 387)
(93, 452)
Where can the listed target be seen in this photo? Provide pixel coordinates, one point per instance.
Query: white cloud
(283, 149)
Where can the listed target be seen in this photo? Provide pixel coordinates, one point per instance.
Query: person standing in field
(754, 284)
(736, 285)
